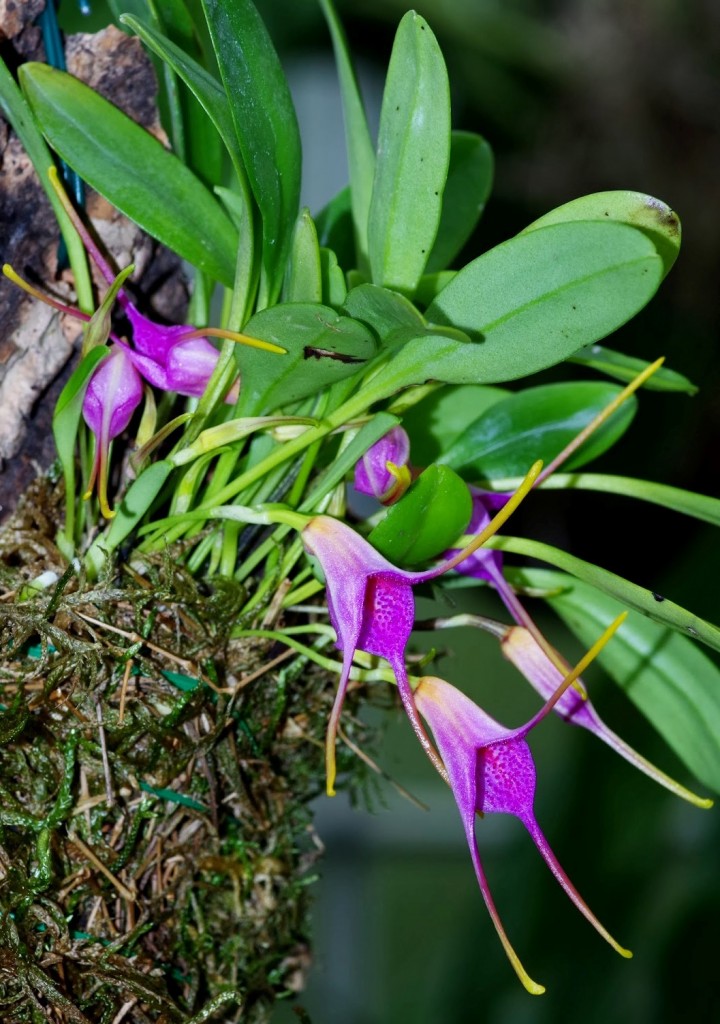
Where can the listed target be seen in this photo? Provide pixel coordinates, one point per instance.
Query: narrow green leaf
(413, 158)
(699, 506)
(206, 89)
(426, 520)
(322, 347)
(65, 425)
(537, 423)
(17, 112)
(654, 606)
(172, 796)
(649, 215)
(626, 368)
(537, 298)
(334, 289)
(435, 422)
(334, 226)
(140, 496)
(265, 125)
(303, 276)
(131, 169)
(361, 157)
(674, 684)
(468, 186)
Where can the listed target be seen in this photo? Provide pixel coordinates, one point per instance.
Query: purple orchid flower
(383, 471)
(372, 607)
(491, 771)
(544, 674)
(113, 394)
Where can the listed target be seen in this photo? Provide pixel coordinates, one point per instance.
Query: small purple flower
(372, 606)
(383, 471)
(491, 771)
(113, 394)
(521, 648)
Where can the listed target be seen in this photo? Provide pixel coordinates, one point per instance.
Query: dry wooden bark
(37, 345)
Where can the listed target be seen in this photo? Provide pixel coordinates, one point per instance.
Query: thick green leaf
(413, 158)
(626, 368)
(361, 157)
(204, 86)
(303, 275)
(383, 310)
(334, 289)
(654, 606)
(651, 216)
(538, 423)
(537, 298)
(468, 186)
(435, 422)
(265, 125)
(131, 169)
(426, 520)
(430, 286)
(322, 347)
(674, 684)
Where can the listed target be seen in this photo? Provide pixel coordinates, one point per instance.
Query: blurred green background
(575, 96)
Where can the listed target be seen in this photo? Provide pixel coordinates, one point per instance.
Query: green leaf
(207, 90)
(651, 216)
(537, 423)
(699, 506)
(334, 289)
(65, 424)
(468, 186)
(303, 276)
(626, 368)
(674, 684)
(413, 158)
(375, 428)
(426, 520)
(265, 125)
(140, 496)
(361, 157)
(322, 347)
(537, 298)
(435, 422)
(383, 310)
(654, 606)
(335, 228)
(430, 286)
(17, 112)
(131, 169)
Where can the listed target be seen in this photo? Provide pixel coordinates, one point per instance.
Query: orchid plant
(364, 338)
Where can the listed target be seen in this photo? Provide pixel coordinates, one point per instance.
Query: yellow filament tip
(498, 520)
(601, 417)
(330, 769)
(240, 339)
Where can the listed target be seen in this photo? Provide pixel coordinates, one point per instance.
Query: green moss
(156, 844)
